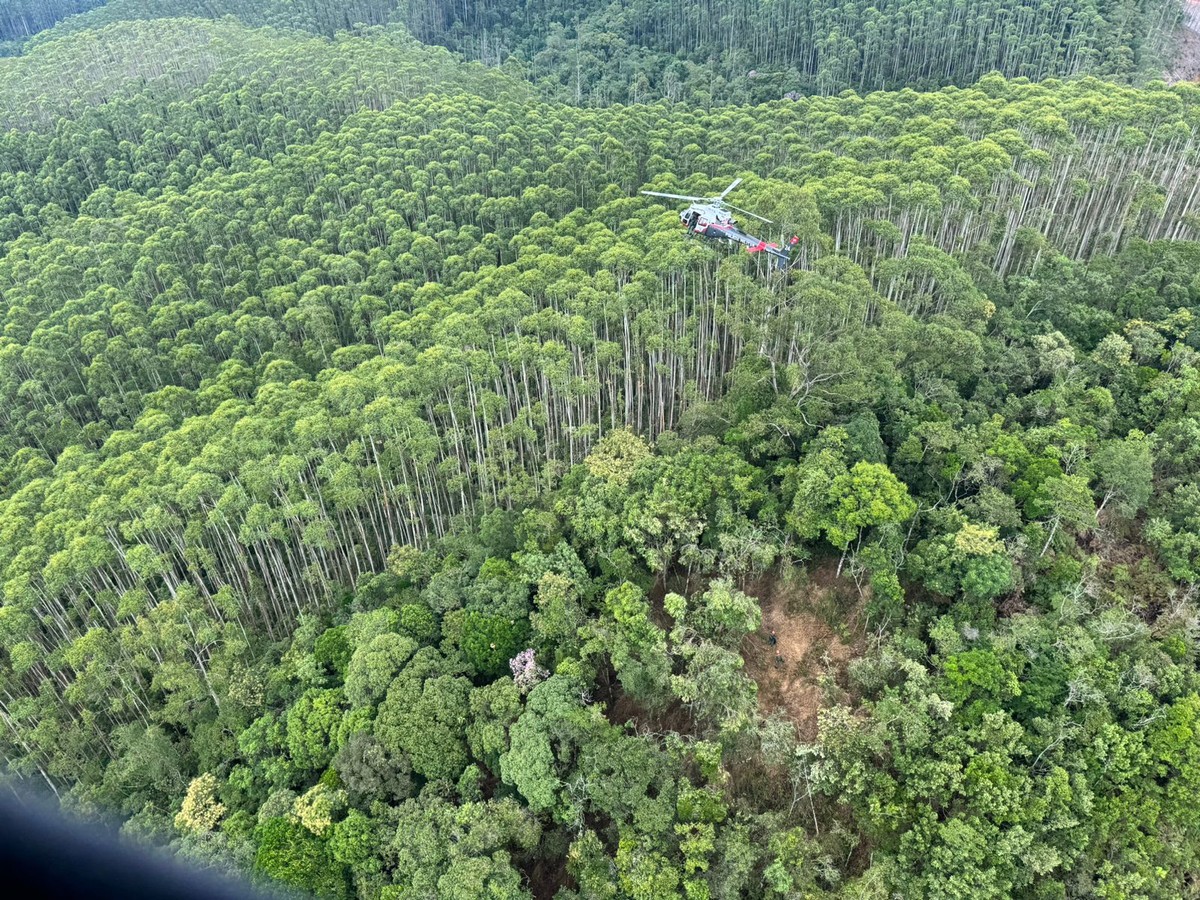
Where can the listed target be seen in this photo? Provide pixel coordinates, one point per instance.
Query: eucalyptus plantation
(395, 503)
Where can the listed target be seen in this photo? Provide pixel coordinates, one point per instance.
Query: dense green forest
(721, 51)
(21, 19)
(394, 504)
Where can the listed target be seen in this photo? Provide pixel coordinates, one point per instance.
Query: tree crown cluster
(391, 500)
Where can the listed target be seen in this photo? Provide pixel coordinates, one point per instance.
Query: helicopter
(711, 217)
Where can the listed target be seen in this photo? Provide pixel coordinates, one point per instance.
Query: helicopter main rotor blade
(736, 182)
(674, 196)
(747, 212)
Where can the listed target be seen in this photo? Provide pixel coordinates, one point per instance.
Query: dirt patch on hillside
(1187, 59)
(817, 620)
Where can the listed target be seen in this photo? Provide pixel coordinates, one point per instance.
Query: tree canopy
(394, 503)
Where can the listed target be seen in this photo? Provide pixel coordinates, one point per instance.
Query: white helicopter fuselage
(706, 214)
(710, 217)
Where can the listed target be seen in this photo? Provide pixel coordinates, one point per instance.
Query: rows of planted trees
(20, 19)
(126, 115)
(384, 485)
(445, 205)
(740, 50)
(748, 49)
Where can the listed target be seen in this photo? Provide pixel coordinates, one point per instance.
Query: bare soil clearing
(818, 619)
(1187, 62)
(818, 624)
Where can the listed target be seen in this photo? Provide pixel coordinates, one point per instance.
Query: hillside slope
(739, 50)
(113, 107)
(386, 487)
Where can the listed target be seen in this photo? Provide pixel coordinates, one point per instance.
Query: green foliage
(714, 686)
(638, 646)
(336, 372)
(462, 852)
(553, 727)
(312, 724)
(811, 484)
(795, 866)
(1125, 472)
(370, 772)
(972, 562)
(418, 622)
(616, 458)
(494, 708)
(977, 674)
(374, 666)
(868, 495)
(316, 808)
(332, 650)
(559, 613)
(424, 716)
(645, 873)
(1176, 535)
(289, 853)
(489, 642)
(592, 53)
(721, 614)
(354, 842)
(22, 18)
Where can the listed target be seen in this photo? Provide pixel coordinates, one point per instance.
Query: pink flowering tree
(526, 672)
